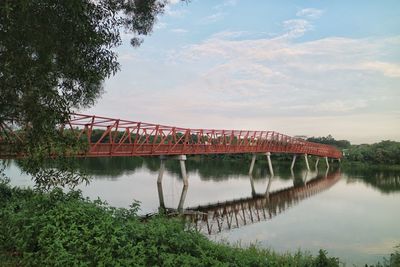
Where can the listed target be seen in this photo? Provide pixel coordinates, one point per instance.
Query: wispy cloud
(296, 27)
(225, 4)
(213, 18)
(338, 85)
(180, 31)
(176, 11)
(310, 13)
(174, 2)
(280, 76)
(388, 69)
(160, 25)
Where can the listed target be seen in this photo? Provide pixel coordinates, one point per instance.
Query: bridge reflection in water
(217, 217)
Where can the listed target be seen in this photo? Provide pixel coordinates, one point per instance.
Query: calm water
(353, 213)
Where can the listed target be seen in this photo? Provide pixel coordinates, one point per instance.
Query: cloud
(175, 11)
(310, 13)
(388, 69)
(160, 25)
(296, 27)
(229, 34)
(281, 77)
(225, 4)
(179, 31)
(336, 85)
(213, 18)
(174, 2)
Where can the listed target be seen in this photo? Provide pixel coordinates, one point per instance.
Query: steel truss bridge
(109, 137)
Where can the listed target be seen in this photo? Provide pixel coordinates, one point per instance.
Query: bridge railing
(116, 137)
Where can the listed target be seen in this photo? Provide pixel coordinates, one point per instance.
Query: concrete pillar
(161, 197)
(253, 191)
(271, 170)
(316, 164)
(327, 163)
(182, 159)
(182, 199)
(293, 161)
(159, 184)
(269, 185)
(161, 171)
(305, 178)
(253, 161)
(306, 159)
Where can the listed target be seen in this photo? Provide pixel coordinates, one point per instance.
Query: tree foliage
(384, 152)
(55, 54)
(329, 140)
(54, 57)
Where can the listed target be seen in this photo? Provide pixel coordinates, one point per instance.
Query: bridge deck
(108, 137)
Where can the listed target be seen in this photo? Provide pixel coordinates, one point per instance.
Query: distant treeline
(384, 152)
(329, 140)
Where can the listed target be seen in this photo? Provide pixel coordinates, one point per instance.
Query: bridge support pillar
(293, 161)
(159, 183)
(268, 186)
(253, 190)
(327, 162)
(316, 164)
(182, 159)
(306, 159)
(305, 178)
(253, 161)
(271, 170)
(182, 199)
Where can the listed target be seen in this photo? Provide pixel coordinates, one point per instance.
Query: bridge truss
(109, 137)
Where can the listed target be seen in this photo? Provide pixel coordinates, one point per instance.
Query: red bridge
(108, 137)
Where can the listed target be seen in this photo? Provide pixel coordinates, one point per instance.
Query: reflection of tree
(385, 180)
(219, 170)
(153, 163)
(100, 167)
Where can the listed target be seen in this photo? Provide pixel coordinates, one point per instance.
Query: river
(353, 213)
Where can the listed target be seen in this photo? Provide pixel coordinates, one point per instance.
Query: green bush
(65, 229)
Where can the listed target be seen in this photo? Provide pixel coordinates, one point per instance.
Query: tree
(329, 140)
(54, 57)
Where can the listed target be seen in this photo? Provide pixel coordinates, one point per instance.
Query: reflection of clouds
(380, 247)
(385, 246)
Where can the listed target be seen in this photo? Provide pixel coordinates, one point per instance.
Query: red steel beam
(108, 137)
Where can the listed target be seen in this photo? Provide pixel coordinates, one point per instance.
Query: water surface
(351, 212)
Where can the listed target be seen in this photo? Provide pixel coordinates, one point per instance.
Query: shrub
(66, 229)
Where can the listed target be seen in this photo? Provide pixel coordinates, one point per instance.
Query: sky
(297, 67)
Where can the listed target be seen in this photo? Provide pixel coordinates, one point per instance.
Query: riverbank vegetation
(384, 152)
(65, 229)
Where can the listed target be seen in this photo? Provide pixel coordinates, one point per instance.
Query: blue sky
(298, 67)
